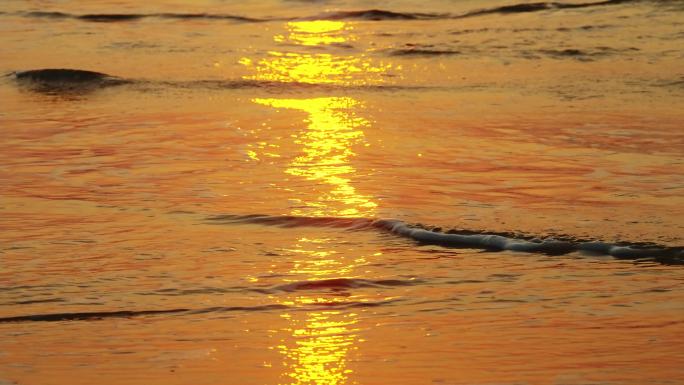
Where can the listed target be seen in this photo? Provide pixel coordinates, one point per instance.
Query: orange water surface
(548, 123)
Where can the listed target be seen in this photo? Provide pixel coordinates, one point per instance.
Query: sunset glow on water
(341, 192)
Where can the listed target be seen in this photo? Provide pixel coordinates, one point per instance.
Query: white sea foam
(469, 239)
(498, 242)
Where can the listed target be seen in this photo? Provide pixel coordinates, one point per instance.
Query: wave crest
(472, 239)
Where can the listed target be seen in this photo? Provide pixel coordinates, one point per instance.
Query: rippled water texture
(342, 192)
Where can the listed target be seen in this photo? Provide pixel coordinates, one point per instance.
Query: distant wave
(586, 54)
(473, 239)
(560, 54)
(366, 14)
(517, 30)
(541, 6)
(379, 14)
(423, 52)
(122, 17)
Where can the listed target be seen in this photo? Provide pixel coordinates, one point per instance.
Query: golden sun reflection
(322, 346)
(332, 130)
(319, 32)
(317, 68)
(319, 263)
(319, 341)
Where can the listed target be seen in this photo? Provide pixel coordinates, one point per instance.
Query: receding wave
(459, 238)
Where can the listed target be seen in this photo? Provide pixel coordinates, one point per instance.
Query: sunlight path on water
(317, 344)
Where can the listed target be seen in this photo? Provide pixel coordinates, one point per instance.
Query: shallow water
(342, 192)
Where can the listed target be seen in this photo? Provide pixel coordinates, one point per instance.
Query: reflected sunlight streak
(331, 131)
(318, 343)
(317, 68)
(319, 32)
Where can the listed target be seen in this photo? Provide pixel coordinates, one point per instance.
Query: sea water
(342, 192)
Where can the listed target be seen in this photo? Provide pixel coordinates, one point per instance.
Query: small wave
(377, 15)
(63, 80)
(69, 81)
(585, 55)
(365, 14)
(85, 316)
(338, 284)
(293, 221)
(540, 6)
(123, 17)
(583, 28)
(58, 75)
(94, 316)
(671, 83)
(368, 14)
(472, 239)
(34, 301)
(422, 52)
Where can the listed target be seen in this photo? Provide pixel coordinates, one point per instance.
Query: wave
(379, 14)
(65, 81)
(458, 238)
(422, 52)
(58, 75)
(123, 17)
(87, 315)
(541, 6)
(293, 221)
(69, 81)
(586, 55)
(366, 14)
(334, 284)
(338, 284)
(101, 315)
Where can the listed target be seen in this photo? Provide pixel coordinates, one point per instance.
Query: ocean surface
(341, 192)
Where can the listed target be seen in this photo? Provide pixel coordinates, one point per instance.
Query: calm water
(342, 192)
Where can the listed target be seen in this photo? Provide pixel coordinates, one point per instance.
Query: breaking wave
(458, 238)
